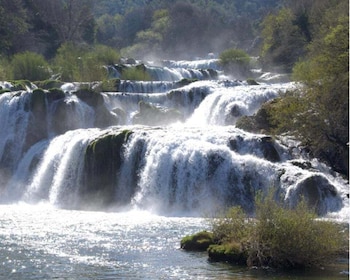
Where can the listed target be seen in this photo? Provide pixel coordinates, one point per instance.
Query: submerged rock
(103, 159)
(152, 115)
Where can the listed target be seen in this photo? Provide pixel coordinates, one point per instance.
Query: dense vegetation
(275, 237)
(139, 27)
(312, 40)
(73, 40)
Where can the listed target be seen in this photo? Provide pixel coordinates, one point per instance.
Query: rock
(152, 115)
(95, 99)
(252, 82)
(103, 159)
(269, 150)
(319, 193)
(49, 84)
(197, 242)
(231, 252)
(259, 121)
(37, 126)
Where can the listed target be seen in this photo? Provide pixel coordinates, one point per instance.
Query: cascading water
(169, 147)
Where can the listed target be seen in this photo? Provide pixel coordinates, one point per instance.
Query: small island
(276, 237)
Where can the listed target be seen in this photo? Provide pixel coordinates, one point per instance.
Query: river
(104, 186)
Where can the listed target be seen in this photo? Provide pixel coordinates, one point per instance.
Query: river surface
(42, 242)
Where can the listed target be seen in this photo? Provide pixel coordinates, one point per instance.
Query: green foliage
(80, 64)
(30, 66)
(135, 74)
(292, 237)
(283, 40)
(325, 74)
(4, 69)
(197, 242)
(48, 84)
(235, 61)
(281, 111)
(13, 24)
(277, 236)
(232, 226)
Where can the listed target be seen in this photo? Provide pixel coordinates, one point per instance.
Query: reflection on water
(41, 242)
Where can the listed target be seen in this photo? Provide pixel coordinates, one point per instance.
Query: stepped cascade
(169, 145)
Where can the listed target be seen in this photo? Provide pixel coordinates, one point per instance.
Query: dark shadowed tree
(71, 20)
(12, 25)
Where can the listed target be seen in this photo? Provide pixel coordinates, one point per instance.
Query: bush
(29, 66)
(276, 237)
(4, 75)
(235, 61)
(137, 73)
(79, 64)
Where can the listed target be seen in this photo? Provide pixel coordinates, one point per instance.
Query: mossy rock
(185, 82)
(55, 94)
(38, 99)
(20, 85)
(90, 97)
(4, 90)
(197, 242)
(252, 82)
(49, 84)
(230, 252)
(103, 159)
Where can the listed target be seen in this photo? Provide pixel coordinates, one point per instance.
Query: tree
(71, 20)
(326, 76)
(284, 41)
(235, 61)
(12, 25)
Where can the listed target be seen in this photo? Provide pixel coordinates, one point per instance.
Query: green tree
(326, 76)
(75, 63)
(235, 61)
(71, 20)
(150, 41)
(12, 25)
(283, 40)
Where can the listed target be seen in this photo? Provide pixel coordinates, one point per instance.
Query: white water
(170, 176)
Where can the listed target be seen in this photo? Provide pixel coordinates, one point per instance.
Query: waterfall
(168, 146)
(14, 115)
(58, 176)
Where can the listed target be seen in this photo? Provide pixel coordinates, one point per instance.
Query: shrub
(4, 75)
(29, 66)
(235, 61)
(291, 238)
(277, 236)
(136, 74)
(80, 64)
